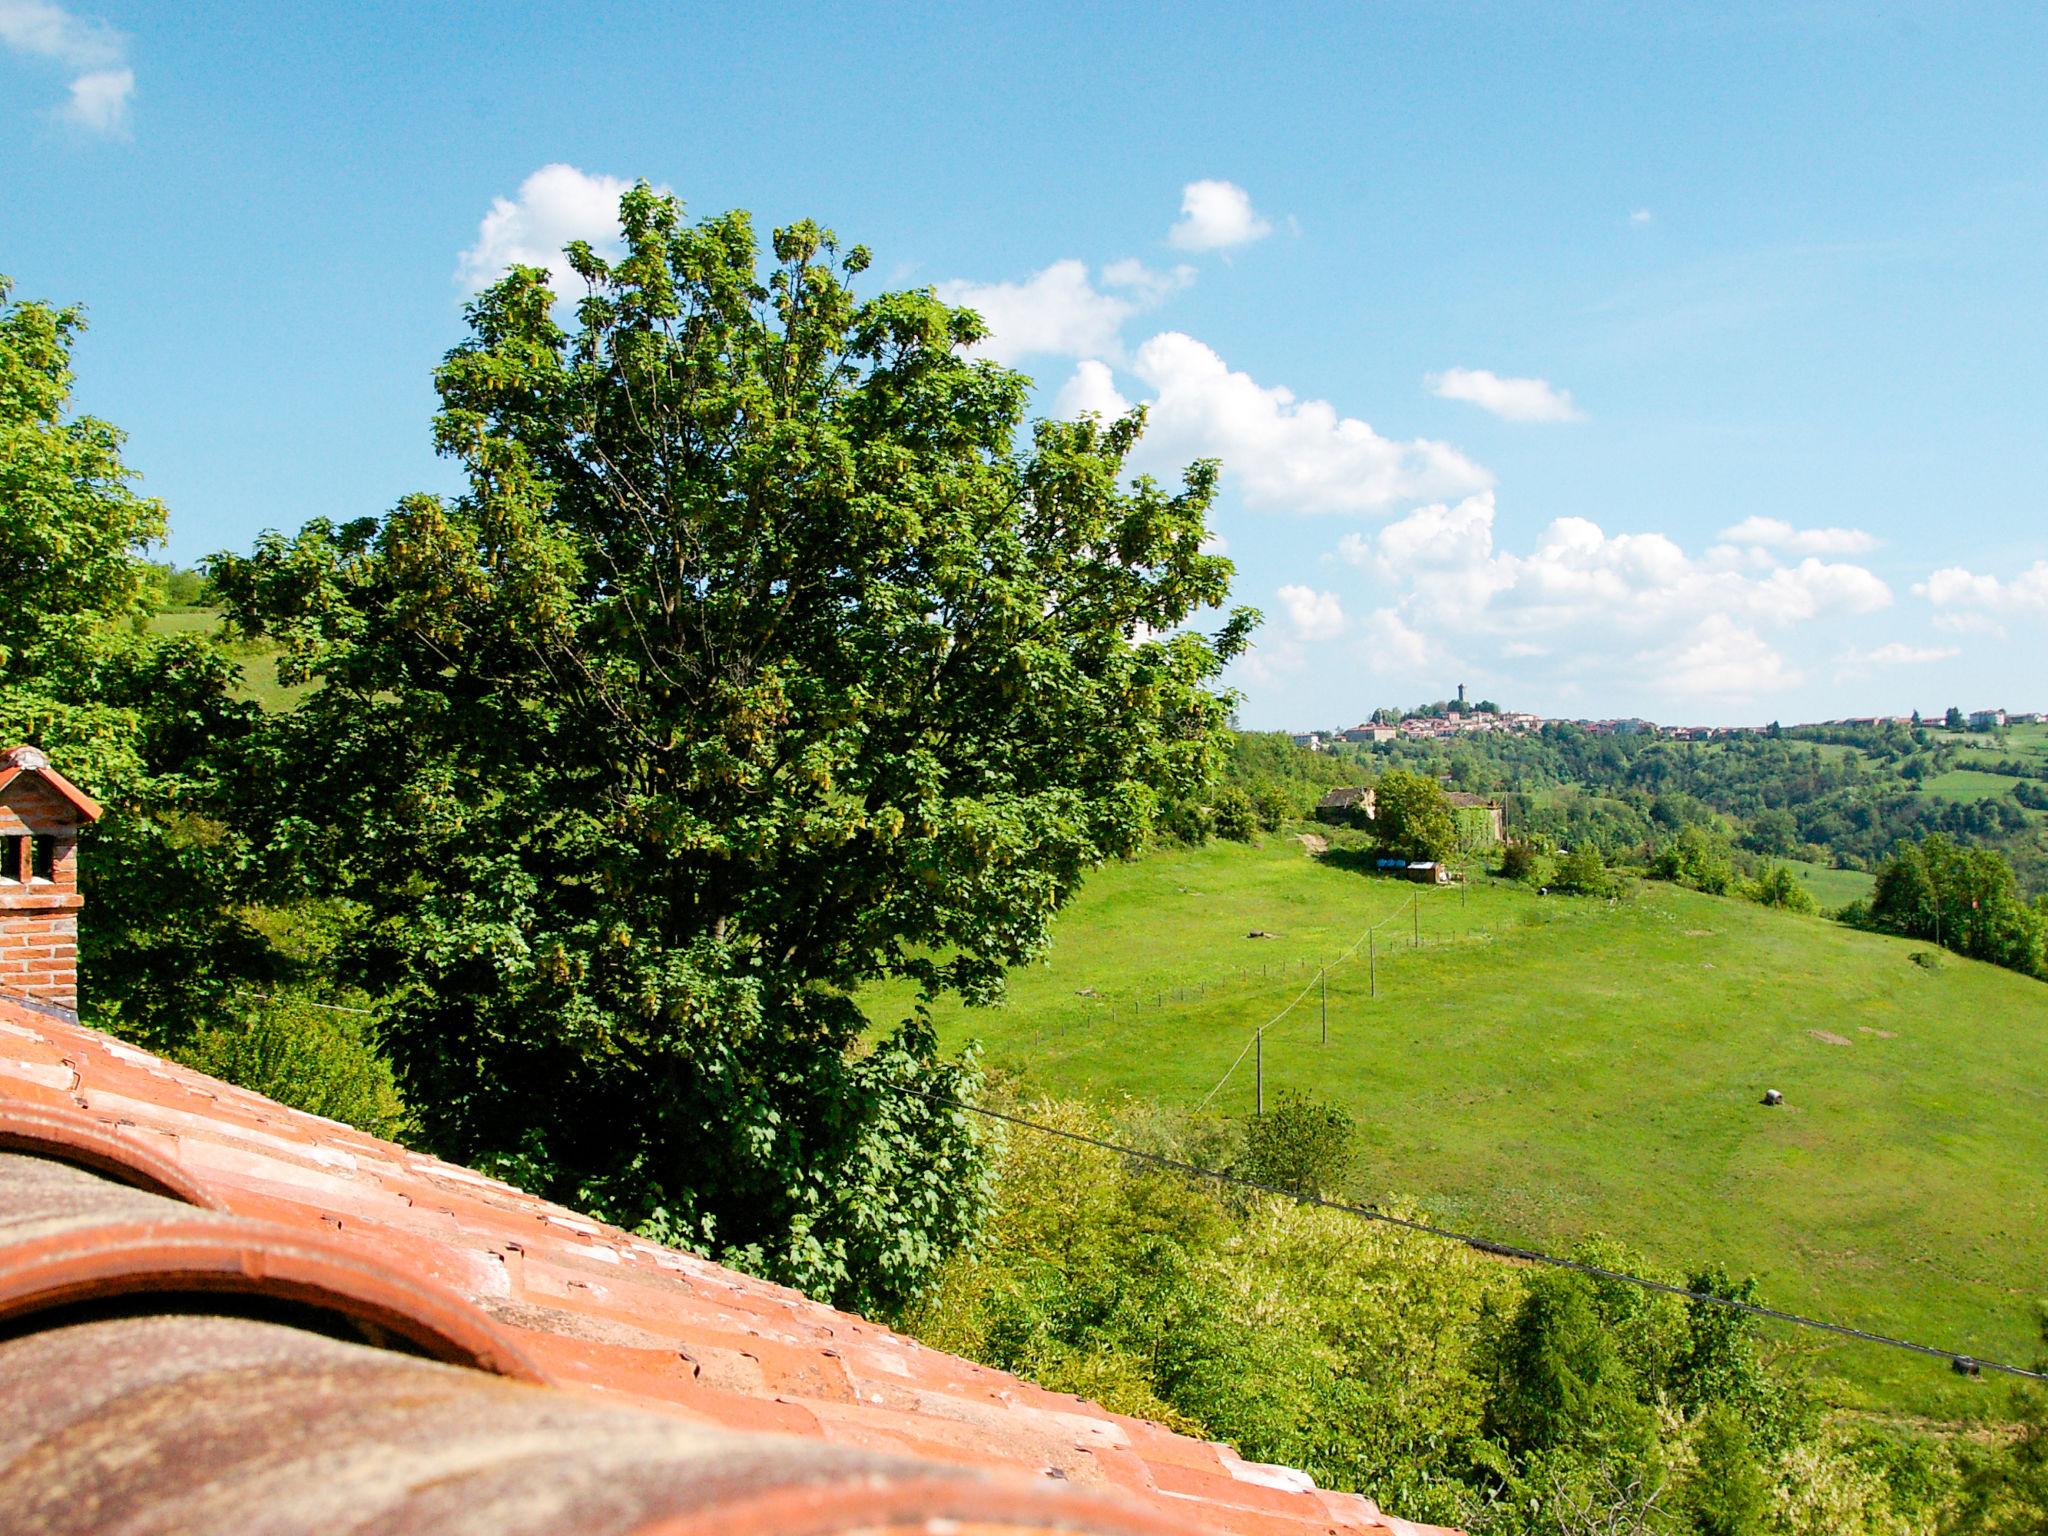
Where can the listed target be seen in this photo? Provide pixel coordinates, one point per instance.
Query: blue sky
(1684, 361)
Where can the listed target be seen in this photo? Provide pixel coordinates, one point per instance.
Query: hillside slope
(1544, 1067)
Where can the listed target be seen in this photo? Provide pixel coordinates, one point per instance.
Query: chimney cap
(16, 761)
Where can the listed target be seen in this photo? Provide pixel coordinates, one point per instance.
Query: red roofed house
(218, 1313)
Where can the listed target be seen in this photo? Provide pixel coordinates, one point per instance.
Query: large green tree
(766, 653)
(133, 718)
(1413, 817)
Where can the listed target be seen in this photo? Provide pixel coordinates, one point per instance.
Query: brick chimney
(40, 814)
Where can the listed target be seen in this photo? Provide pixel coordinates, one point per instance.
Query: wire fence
(1966, 1364)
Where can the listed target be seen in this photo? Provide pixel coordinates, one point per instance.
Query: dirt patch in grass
(1882, 1034)
(1315, 846)
(1827, 1037)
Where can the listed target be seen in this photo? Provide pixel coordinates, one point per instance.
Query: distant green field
(1967, 784)
(1831, 887)
(258, 662)
(1545, 1067)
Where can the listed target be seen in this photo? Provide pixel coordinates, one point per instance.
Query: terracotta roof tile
(605, 1314)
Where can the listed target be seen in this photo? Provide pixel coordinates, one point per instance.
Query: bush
(1584, 873)
(1275, 806)
(1777, 886)
(1232, 815)
(1304, 1145)
(1521, 861)
(311, 1057)
(1698, 858)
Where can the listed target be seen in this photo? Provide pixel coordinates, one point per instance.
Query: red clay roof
(16, 761)
(597, 1311)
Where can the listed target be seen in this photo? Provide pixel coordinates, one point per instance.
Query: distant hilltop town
(1462, 717)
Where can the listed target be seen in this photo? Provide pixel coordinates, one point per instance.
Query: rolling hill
(1540, 1068)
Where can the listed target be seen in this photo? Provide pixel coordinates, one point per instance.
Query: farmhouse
(1350, 806)
(1483, 816)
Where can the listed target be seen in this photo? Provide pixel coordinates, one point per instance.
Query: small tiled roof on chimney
(192, 1271)
(41, 812)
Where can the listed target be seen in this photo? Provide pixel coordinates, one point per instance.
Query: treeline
(1441, 1382)
(1964, 899)
(1775, 795)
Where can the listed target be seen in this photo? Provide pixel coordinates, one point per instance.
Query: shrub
(1727, 1493)
(1698, 858)
(1275, 806)
(311, 1057)
(1305, 1145)
(1521, 861)
(1777, 886)
(1584, 872)
(1232, 815)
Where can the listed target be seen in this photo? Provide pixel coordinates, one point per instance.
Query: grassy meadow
(257, 661)
(1830, 887)
(1539, 1068)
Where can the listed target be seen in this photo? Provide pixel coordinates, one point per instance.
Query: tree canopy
(1412, 816)
(134, 718)
(766, 652)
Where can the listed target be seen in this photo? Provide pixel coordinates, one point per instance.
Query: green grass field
(258, 662)
(1967, 784)
(1541, 1068)
(1829, 886)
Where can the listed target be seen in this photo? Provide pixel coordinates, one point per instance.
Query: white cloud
(99, 101)
(1625, 606)
(1898, 654)
(1279, 452)
(1214, 216)
(1955, 587)
(1060, 311)
(96, 55)
(1392, 644)
(556, 204)
(1641, 217)
(1508, 398)
(1719, 658)
(1146, 285)
(1769, 533)
(1091, 391)
(1314, 615)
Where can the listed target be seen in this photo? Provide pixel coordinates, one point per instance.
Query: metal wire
(1487, 1244)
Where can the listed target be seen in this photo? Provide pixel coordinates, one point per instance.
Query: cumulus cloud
(1281, 453)
(1899, 654)
(1215, 216)
(1091, 391)
(1630, 604)
(1721, 659)
(1394, 645)
(556, 204)
(1148, 286)
(95, 55)
(1061, 311)
(1314, 615)
(1510, 399)
(1771, 533)
(1954, 587)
